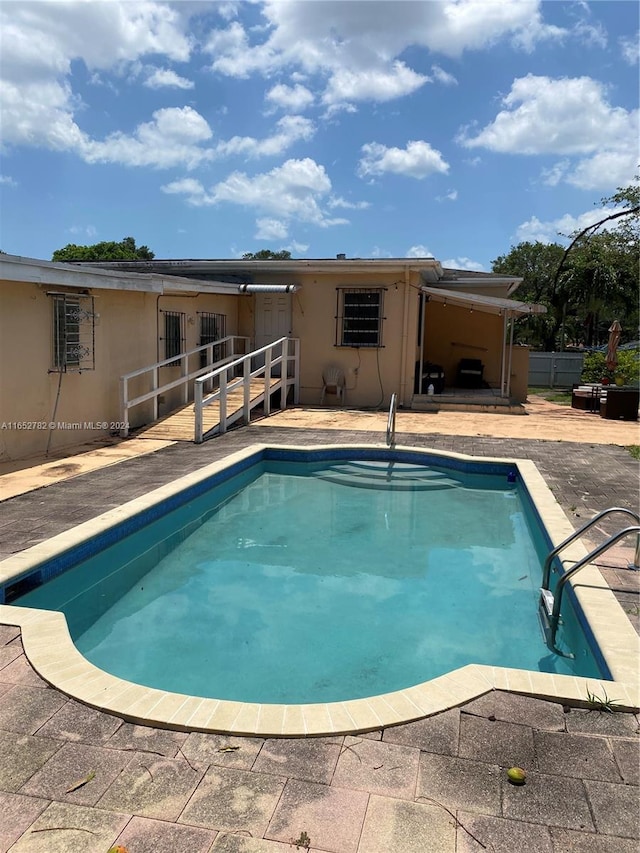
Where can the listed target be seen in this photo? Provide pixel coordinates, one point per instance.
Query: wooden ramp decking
(179, 425)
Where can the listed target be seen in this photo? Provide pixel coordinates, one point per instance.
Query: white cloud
(357, 47)
(417, 160)
(557, 230)
(377, 252)
(160, 78)
(297, 248)
(552, 176)
(372, 84)
(173, 138)
(630, 48)
(40, 43)
(190, 187)
(462, 264)
(338, 201)
(293, 98)
(227, 10)
(569, 116)
(90, 230)
(452, 195)
(290, 129)
(8, 181)
(270, 229)
(443, 76)
(418, 251)
(293, 191)
(48, 36)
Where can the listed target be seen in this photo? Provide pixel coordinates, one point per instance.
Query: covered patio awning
(267, 288)
(508, 309)
(487, 304)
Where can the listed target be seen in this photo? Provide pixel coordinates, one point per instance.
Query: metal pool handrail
(546, 572)
(554, 617)
(391, 421)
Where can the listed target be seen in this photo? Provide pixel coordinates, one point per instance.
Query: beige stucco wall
(126, 338)
(519, 373)
(130, 325)
(453, 333)
(191, 306)
(372, 374)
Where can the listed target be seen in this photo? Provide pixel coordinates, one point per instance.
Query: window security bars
(213, 327)
(73, 339)
(174, 333)
(359, 317)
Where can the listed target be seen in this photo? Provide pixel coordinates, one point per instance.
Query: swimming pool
(265, 484)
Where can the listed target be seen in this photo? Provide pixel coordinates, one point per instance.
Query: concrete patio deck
(438, 784)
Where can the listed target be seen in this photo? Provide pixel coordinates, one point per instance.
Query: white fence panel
(555, 369)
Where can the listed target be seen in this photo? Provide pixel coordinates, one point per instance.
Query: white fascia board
(327, 266)
(53, 274)
(486, 304)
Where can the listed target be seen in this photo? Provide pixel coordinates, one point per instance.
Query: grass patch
(634, 450)
(562, 396)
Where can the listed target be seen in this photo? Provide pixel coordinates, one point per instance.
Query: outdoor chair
(470, 373)
(333, 383)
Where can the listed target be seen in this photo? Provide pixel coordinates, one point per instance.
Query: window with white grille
(73, 333)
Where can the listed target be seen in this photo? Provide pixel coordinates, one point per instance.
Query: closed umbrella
(612, 347)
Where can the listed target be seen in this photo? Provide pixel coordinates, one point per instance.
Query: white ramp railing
(280, 371)
(223, 350)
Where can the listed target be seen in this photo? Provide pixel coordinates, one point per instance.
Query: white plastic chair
(333, 383)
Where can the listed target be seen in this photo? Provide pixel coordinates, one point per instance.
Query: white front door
(272, 317)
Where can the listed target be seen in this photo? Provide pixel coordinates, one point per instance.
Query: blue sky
(378, 129)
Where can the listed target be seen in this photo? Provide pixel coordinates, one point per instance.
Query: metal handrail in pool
(546, 572)
(391, 421)
(552, 603)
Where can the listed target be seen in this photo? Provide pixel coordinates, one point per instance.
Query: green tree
(605, 268)
(267, 255)
(586, 285)
(125, 250)
(536, 263)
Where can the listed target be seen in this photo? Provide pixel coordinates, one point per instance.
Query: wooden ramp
(179, 425)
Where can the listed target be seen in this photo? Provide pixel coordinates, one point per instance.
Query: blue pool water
(313, 582)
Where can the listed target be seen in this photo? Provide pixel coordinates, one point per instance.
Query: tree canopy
(267, 255)
(586, 285)
(125, 250)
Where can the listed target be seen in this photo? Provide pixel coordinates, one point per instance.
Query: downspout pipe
(405, 336)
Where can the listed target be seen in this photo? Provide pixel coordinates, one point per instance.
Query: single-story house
(69, 332)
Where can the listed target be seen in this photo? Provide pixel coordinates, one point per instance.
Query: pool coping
(50, 649)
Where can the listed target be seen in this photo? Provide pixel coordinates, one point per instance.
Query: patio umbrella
(612, 347)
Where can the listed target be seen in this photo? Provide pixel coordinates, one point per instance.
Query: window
(359, 318)
(73, 332)
(173, 333)
(213, 327)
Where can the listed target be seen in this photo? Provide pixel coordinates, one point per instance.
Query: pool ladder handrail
(391, 421)
(549, 603)
(546, 572)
